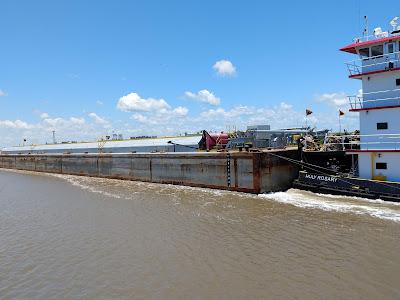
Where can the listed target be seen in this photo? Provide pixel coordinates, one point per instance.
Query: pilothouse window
(383, 125)
(390, 48)
(364, 52)
(381, 166)
(377, 50)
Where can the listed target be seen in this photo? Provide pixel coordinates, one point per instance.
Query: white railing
(369, 145)
(375, 99)
(390, 141)
(357, 102)
(373, 63)
(371, 37)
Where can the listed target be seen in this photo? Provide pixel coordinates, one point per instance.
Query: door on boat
(391, 55)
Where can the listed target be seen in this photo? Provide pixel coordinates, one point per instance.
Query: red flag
(308, 112)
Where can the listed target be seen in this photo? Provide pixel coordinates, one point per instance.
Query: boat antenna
(366, 27)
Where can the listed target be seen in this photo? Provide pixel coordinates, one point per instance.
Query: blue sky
(88, 68)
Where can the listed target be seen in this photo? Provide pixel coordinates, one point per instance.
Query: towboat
(375, 171)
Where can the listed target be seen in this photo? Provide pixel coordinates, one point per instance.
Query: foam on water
(343, 204)
(308, 200)
(82, 183)
(375, 208)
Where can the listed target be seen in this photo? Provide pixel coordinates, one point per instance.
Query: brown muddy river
(69, 237)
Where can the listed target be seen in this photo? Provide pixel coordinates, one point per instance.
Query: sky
(87, 69)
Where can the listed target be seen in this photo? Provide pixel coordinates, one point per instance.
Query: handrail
(357, 102)
(368, 144)
(371, 57)
(355, 67)
(361, 135)
(356, 145)
(371, 37)
(384, 91)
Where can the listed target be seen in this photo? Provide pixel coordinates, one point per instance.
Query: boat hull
(337, 185)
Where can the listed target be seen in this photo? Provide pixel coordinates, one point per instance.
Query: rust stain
(151, 169)
(235, 166)
(256, 172)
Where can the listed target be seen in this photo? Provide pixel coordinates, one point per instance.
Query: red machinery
(213, 140)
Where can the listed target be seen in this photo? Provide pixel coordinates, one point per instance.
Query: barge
(211, 160)
(252, 172)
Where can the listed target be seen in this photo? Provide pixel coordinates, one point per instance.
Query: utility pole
(54, 137)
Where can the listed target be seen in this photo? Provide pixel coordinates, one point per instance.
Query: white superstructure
(378, 67)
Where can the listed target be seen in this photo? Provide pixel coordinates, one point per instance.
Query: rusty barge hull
(256, 172)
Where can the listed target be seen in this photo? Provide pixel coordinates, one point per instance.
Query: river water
(71, 237)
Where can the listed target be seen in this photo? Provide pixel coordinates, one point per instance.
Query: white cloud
(335, 99)
(162, 117)
(150, 120)
(2, 94)
(181, 111)
(204, 96)
(286, 106)
(67, 129)
(133, 102)
(17, 124)
(98, 102)
(167, 120)
(151, 111)
(235, 112)
(224, 68)
(282, 115)
(61, 123)
(77, 121)
(140, 118)
(213, 113)
(53, 122)
(97, 119)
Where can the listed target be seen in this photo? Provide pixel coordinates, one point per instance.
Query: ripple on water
(105, 238)
(307, 200)
(303, 199)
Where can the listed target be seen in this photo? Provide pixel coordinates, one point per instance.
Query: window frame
(381, 52)
(380, 166)
(381, 126)
(365, 57)
(393, 48)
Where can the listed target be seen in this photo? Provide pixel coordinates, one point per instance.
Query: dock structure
(251, 172)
